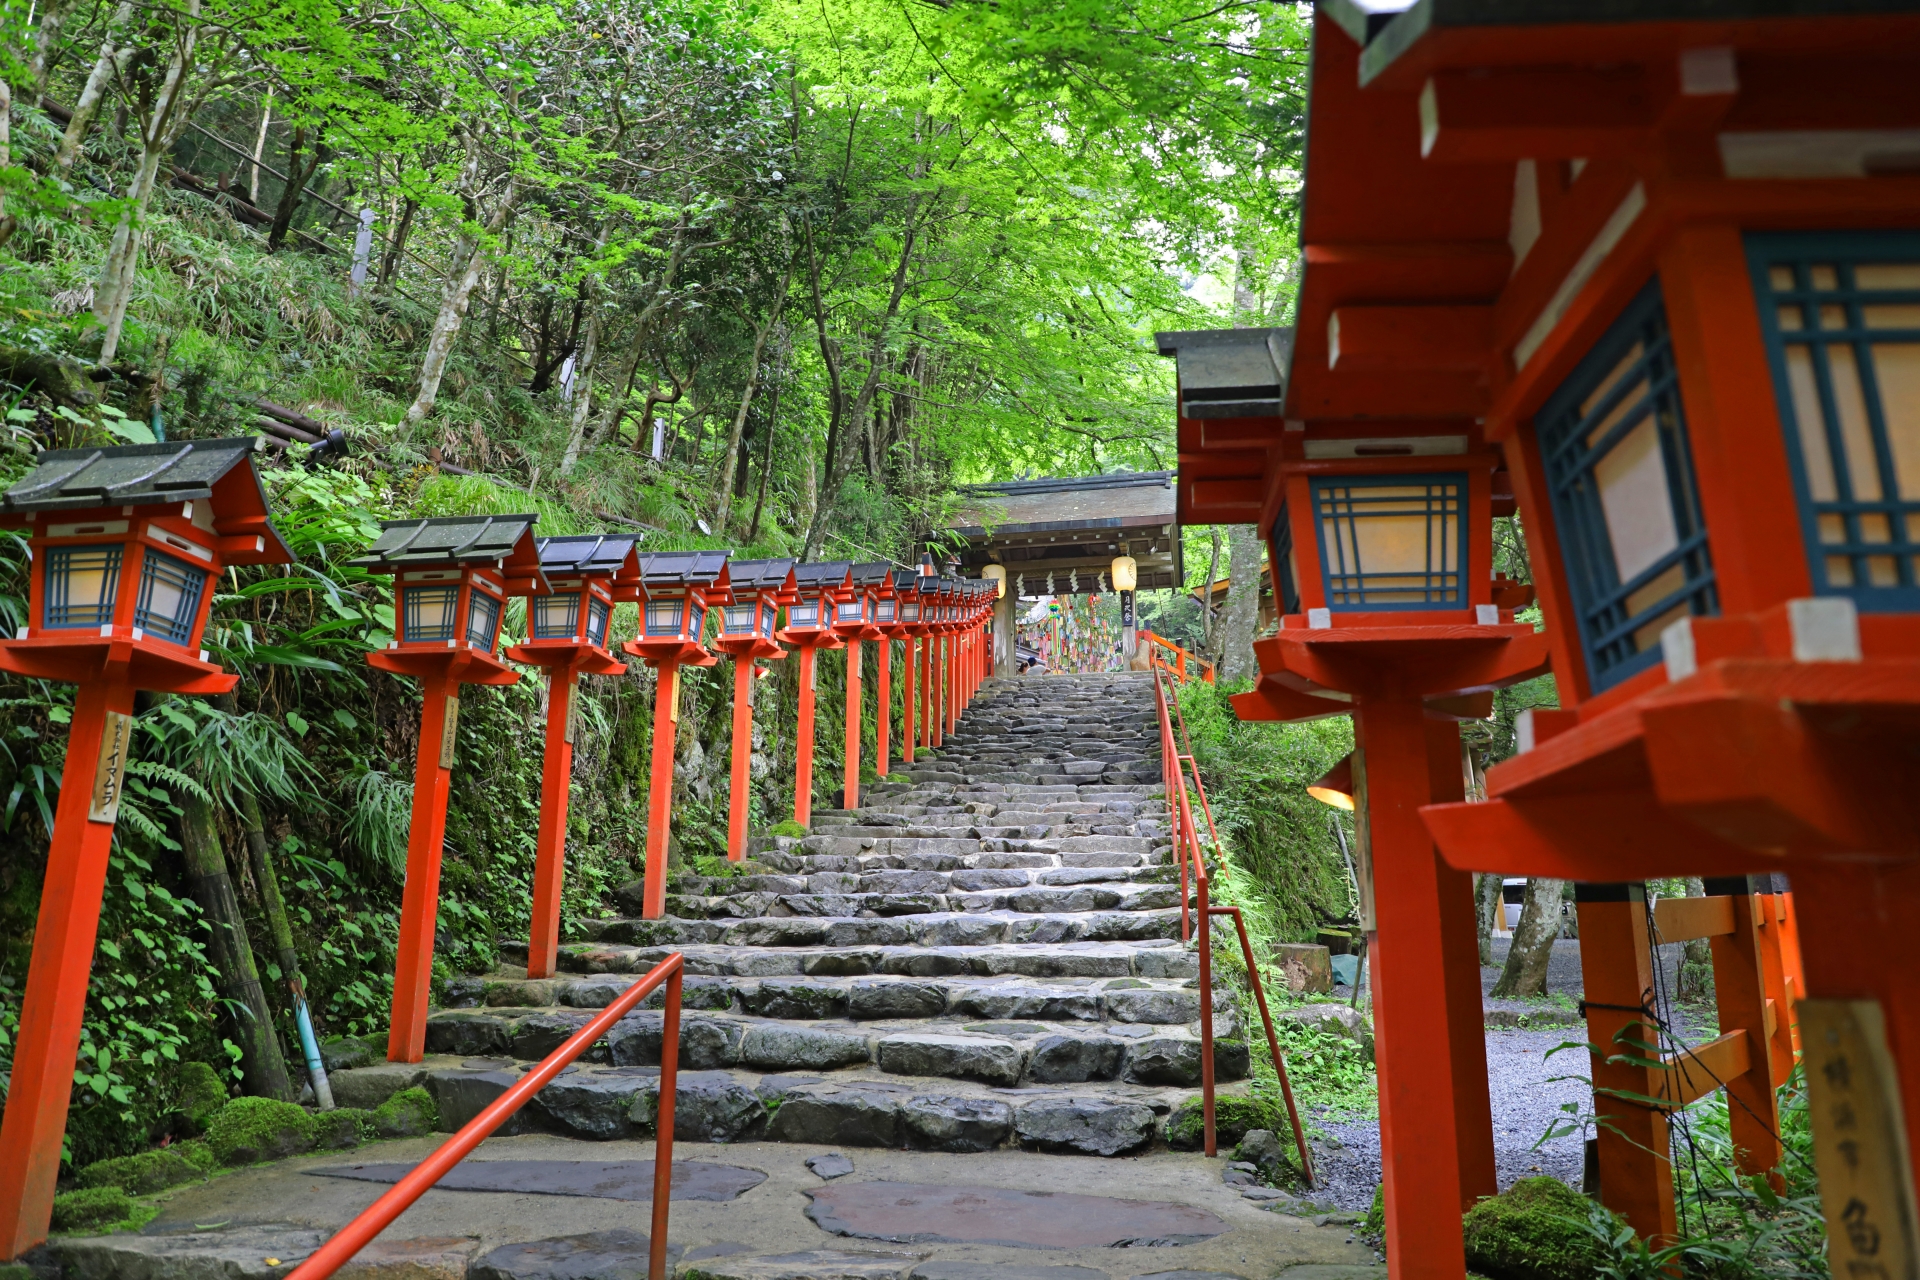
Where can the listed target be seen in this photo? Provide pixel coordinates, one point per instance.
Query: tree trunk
(582, 391)
(158, 132)
(468, 262)
(296, 187)
(1526, 971)
(1486, 903)
(112, 58)
(746, 402)
(1242, 616)
(6, 155)
(1206, 596)
(390, 262)
(766, 463)
(264, 1070)
(1696, 956)
(642, 334)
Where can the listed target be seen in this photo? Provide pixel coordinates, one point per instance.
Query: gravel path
(1525, 1096)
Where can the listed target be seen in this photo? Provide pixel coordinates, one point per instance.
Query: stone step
(925, 929)
(1152, 958)
(963, 880)
(849, 1107)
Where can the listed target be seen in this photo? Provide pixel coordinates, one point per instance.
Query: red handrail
(1179, 664)
(1186, 844)
(376, 1217)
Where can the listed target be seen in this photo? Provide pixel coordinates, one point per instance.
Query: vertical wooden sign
(447, 726)
(573, 706)
(1859, 1141)
(109, 772)
(1362, 843)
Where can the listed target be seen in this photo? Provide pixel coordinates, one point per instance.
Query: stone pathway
(909, 1029)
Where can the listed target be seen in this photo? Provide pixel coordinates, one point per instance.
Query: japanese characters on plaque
(1859, 1141)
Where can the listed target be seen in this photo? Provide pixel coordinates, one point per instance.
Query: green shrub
(142, 1174)
(92, 1207)
(196, 1153)
(407, 1114)
(787, 828)
(249, 1130)
(341, 1129)
(1535, 1230)
(201, 1095)
(1375, 1223)
(1233, 1116)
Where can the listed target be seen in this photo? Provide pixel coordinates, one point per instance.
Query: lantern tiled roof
(759, 575)
(466, 540)
(588, 553)
(1230, 373)
(685, 568)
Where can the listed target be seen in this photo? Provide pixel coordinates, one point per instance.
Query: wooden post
(55, 1001)
(741, 760)
(550, 845)
(936, 690)
(850, 793)
(1636, 1172)
(911, 667)
(1739, 992)
(666, 724)
(883, 699)
(420, 900)
(803, 742)
(1421, 1142)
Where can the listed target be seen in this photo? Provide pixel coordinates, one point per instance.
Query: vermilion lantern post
(678, 587)
(1380, 552)
(759, 588)
(567, 634)
(854, 621)
(452, 576)
(809, 629)
(903, 624)
(127, 543)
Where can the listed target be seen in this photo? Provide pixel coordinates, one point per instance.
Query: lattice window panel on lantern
(428, 612)
(483, 620)
(1613, 441)
(1392, 541)
(1841, 313)
(556, 617)
(598, 611)
(1282, 553)
(169, 597)
(81, 585)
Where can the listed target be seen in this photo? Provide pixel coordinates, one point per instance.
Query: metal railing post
(375, 1218)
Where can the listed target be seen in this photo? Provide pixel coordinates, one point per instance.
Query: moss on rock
(144, 1173)
(407, 1114)
(1535, 1230)
(249, 1130)
(91, 1207)
(202, 1094)
(1233, 1118)
(341, 1129)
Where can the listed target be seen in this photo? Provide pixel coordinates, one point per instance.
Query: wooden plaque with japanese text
(1859, 1141)
(109, 772)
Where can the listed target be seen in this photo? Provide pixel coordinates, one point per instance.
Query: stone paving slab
(602, 1179)
(921, 1213)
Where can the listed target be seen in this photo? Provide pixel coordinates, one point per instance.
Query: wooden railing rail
(1177, 660)
(355, 1236)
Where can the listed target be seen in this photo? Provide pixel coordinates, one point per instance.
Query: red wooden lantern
(678, 588)
(820, 589)
(567, 634)
(127, 544)
(855, 619)
(452, 576)
(759, 589)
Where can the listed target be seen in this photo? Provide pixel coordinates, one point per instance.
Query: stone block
(943, 1123)
(875, 999)
(783, 1048)
(1018, 1000)
(867, 933)
(834, 964)
(708, 1106)
(959, 930)
(783, 998)
(367, 1087)
(1046, 929)
(908, 904)
(706, 1044)
(1061, 1059)
(1084, 1126)
(592, 1104)
(597, 1255)
(813, 1264)
(995, 1062)
(1308, 967)
(824, 1116)
(461, 1093)
(539, 1034)
(776, 931)
(466, 1034)
(1166, 1008)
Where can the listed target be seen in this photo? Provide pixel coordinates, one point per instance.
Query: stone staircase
(985, 953)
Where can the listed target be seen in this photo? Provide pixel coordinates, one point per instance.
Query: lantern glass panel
(427, 613)
(738, 619)
(883, 610)
(1284, 574)
(556, 617)
(1393, 542)
(598, 611)
(766, 618)
(851, 610)
(1614, 441)
(909, 611)
(483, 619)
(803, 615)
(169, 596)
(1841, 313)
(697, 621)
(664, 617)
(81, 583)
